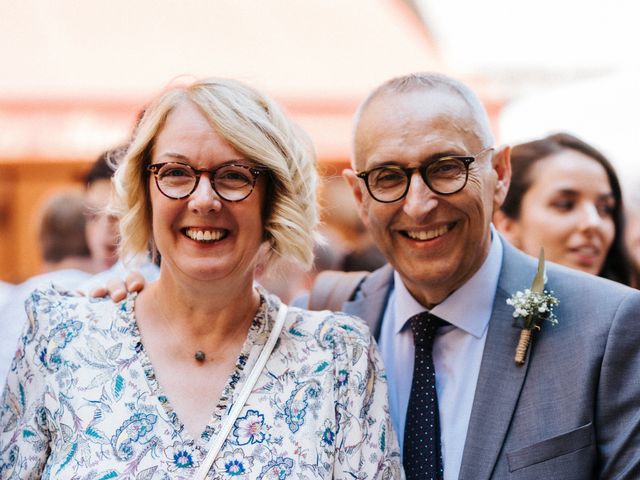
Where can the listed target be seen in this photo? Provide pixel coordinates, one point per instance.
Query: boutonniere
(531, 307)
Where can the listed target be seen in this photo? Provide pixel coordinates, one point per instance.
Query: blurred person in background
(220, 183)
(632, 230)
(65, 262)
(102, 226)
(565, 196)
(345, 245)
(346, 234)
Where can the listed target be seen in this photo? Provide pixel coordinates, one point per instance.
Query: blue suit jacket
(572, 411)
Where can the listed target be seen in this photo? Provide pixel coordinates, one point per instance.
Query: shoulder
(48, 307)
(329, 327)
(380, 279)
(585, 291)
(588, 305)
(571, 286)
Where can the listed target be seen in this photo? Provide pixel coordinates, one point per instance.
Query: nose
(204, 198)
(590, 217)
(420, 200)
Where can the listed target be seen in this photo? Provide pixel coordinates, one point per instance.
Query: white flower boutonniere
(531, 307)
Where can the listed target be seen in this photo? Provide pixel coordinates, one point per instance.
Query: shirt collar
(478, 292)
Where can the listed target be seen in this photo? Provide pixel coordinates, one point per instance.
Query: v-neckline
(254, 337)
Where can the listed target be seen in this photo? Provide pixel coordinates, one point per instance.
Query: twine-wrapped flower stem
(531, 307)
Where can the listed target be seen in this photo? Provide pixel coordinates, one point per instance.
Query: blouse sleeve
(366, 442)
(24, 437)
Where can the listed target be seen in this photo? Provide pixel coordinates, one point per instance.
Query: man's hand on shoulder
(117, 289)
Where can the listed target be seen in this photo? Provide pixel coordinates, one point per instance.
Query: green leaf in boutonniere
(531, 307)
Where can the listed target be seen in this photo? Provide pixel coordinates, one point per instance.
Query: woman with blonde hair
(203, 374)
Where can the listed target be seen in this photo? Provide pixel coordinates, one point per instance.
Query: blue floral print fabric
(82, 401)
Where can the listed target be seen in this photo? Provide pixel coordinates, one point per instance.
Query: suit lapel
(371, 300)
(500, 380)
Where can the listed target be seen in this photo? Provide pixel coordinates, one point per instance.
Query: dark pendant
(199, 356)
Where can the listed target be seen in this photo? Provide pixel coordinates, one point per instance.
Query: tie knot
(424, 326)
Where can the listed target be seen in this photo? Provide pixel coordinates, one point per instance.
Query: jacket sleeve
(618, 395)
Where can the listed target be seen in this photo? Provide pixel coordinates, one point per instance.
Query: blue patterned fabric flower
(234, 465)
(180, 456)
(248, 429)
(328, 434)
(277, 469)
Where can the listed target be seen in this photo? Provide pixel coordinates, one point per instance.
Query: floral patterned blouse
(82, 401)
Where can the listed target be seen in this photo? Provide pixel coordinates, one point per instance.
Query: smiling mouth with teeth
(428, 234)
(205, 235)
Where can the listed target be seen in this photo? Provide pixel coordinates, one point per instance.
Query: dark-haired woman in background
(565, 196)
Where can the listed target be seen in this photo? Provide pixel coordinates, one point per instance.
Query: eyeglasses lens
(444, 176)
(231, 182)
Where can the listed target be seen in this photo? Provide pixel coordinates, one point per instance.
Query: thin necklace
(198, 355)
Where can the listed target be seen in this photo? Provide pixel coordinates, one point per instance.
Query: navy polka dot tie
(422, 455)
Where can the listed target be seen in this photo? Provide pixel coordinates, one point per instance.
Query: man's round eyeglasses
(444, 176)
(232, 182)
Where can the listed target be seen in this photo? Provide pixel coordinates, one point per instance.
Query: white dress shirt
(457, 353)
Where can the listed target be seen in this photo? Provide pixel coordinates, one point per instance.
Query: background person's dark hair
(105, 165)
(526, 155)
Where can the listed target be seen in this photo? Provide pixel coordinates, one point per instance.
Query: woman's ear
(508, 227)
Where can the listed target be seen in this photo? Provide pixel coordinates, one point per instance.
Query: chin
(586, 268)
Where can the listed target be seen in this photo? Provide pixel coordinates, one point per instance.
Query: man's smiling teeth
(204, 235)
(429, 234)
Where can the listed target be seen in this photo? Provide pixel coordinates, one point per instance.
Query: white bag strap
(217, 442)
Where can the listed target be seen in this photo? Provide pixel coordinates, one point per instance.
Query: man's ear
(502, 166)
(357, 189)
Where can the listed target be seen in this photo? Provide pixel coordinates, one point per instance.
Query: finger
(116, 289)
(98, 292)
(134, 282)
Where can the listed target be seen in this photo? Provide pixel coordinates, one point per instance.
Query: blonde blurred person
(203, 374)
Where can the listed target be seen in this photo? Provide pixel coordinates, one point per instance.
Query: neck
(215, 311)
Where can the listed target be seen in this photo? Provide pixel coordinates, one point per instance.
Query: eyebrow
(177, 156)
(185, 159)
(570, 192)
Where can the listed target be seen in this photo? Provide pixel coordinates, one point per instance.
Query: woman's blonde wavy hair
(257, 128)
